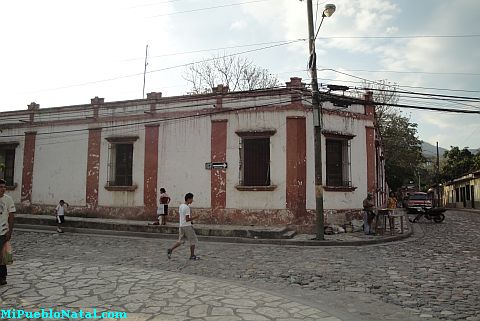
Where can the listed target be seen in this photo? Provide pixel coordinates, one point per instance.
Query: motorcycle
(430, 213)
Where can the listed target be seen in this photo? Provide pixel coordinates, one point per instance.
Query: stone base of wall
(305, 223)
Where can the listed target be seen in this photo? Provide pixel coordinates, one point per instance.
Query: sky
(60, 53)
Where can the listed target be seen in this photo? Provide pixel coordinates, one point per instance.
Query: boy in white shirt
(60, 214)
(185, 229)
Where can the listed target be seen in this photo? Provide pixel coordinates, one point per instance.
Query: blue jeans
(3, 268)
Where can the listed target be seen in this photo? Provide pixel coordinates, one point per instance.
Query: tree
(458, 162)
(477, 161)
(238, 73)
(403, 152)
(402, 148)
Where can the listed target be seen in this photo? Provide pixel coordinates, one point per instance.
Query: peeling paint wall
(354, 125)
(184, 148)
(60, 166)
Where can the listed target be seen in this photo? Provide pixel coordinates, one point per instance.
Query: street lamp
(317, 118)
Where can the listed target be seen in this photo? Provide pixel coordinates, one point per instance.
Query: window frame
(112, 175)
(10, 165)
(346, 170)
(249, 135)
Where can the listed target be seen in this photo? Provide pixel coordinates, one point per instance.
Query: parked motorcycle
(430, 213)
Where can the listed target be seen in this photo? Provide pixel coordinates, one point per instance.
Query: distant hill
(429, 150)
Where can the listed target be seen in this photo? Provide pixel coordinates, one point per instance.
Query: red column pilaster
(219, 154)
(93, 167)
(28, 162)
(150, 174)
(371, 155)
(296, 190)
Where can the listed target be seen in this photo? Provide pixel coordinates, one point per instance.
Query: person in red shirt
(162, 210)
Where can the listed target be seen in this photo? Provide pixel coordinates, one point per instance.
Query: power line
(401, 37)
(88, 112)
(417, 72)
(177, 66)
(353, 100)
(464, 98)
(400, 86)
(215, 49)
(223, 111)
(208, 8)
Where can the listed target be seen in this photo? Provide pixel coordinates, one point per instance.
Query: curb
(238, 240)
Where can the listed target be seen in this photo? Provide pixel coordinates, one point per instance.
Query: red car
(417, 202)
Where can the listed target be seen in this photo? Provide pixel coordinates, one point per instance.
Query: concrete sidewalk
(214, 233)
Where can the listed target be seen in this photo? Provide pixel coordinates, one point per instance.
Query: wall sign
(216, 165)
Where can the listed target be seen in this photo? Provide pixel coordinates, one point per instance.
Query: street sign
(216, 165)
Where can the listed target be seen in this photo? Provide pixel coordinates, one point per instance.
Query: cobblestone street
(433, 275)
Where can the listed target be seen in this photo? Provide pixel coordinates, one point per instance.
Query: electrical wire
(210, 113)
(177, 66)
(211, 49)
(402, 37)
(208, 8)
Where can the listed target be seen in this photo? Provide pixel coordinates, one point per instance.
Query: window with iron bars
(255, 157)
(7, 163)
(338, 165)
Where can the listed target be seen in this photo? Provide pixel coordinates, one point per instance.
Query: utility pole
(145, 70)
(437, 176)
(317, 116)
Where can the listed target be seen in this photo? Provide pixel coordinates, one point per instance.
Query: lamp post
(317, 118)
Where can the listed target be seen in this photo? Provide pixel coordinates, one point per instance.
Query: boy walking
(185, 229)
(7, 208)
(60, 214)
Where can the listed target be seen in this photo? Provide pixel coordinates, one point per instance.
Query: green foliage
(403, 152)
(459, 162)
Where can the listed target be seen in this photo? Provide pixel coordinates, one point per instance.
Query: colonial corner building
(248, 157)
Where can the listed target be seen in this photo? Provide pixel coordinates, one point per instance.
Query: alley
(433, 275)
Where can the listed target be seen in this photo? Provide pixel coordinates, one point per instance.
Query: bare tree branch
(238, 73)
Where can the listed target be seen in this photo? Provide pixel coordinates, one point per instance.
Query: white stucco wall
(275, 199)
(358, 161)
(60, 166)
(122, 198)
(184, 148)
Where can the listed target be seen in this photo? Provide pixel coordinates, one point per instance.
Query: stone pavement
(143, 294)
(81, 272)
(433, 275)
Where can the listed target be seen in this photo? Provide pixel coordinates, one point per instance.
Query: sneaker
(59, 230)
(3, 281)
(194, 258)
(169, 254)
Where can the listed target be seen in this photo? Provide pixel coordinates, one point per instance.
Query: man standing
(185, 228)
(7, 208)
(369, 215)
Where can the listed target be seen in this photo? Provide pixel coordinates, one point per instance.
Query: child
(162, 210)
(163, 206)
(60, 214)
